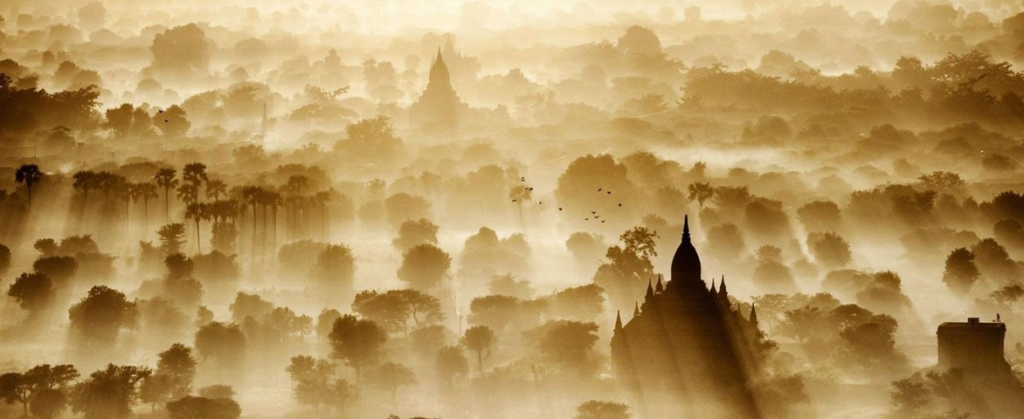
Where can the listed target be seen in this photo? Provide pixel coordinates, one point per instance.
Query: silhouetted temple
(973, 346)
(437, 110)
(686, 352)
(973, 351)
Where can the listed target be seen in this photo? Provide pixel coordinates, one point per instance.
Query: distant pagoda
(437, 111)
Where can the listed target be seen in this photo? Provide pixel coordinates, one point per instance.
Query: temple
(686, 352)
(437, 111)
(972, 352)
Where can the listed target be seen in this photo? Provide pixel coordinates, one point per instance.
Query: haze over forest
(399, 209)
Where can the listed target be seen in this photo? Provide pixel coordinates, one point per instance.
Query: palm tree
(296, 184)
(125, 190)
(107, 183)
(701, 192)
(273, 200)
(322, 198)
(165, 179)
(192, 176)
(252, 195)
(145, 191)
(215, 188)
(520, 195)
(28, 174)
(85, 180)
(197, 212)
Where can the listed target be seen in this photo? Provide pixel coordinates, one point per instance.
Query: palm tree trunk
(199, 244)
(145, 216)
(254, 233)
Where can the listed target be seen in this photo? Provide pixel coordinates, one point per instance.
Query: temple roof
(686, 262)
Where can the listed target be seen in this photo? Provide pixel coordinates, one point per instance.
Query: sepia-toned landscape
(493, 209)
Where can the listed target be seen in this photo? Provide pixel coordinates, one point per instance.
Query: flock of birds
(593, 214)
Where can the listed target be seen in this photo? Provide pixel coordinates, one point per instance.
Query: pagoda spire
(753, 315)
(618, 321)
(650, 289)
(686, 228)
(721, 288)
(659, 288)
(636, 310)
(713, 286)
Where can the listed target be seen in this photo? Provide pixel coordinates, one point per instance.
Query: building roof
(685, 263)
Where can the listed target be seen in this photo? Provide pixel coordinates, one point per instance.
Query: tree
(829, 249)
(16, 388)
(5, 259)
(249, 305)
(29, 175)
(48, 403)
(389, 376)
(144, 191)
(335, 269)
(480, 340)
(312, 380)
(629, 266)
(172, 236)
(197, 212)
(178, 363)
(414, 233)
(424, 266)
(92, 16)
(33, 291)
(155, 389)
(119, 119)
(165, 179)
(960, 273)
(192, 178)
(182, 50)
(520, 195)
(941, 181)
(568, 345)
(99, 317)
(342, 393)
(593, 409)
(357, 342)
(450, 364)
(60, 269)
(909, 395)
(215, 188)
(223, 344)
(393, 309)
(639, 40)
(585, 247)
(109, 393)
(819, 216)
(701, 192)
(190, 407)
(175, 122)
(51, 377)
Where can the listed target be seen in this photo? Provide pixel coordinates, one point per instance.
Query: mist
(590, 210)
